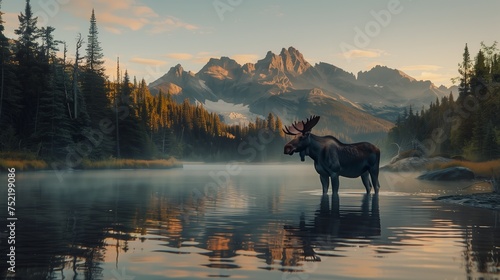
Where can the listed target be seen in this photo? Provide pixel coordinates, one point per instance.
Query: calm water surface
(244, 222)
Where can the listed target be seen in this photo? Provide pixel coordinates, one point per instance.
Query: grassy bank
(23, 164)
(21, 161)
(27, 162)
(486, 169)
(131, 164)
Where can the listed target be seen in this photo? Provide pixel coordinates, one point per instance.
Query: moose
(333, 158)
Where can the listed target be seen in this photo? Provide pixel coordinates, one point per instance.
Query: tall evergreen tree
(95, 91)
(95, 56)
(465, 69)
(28, 32)
(29, 71)
(271, 123)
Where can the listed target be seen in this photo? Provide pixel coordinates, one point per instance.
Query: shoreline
(490, 200)
(110, 164)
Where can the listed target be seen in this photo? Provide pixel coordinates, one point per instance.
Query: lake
(242, 221)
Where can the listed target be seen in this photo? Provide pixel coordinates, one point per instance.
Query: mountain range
(285, 84)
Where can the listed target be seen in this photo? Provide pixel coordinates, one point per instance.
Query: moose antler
(301, 127)
(290, 130)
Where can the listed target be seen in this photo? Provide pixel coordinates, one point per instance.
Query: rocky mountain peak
(176, 71)
(220, 68)
(174, 74)
(271, 62)
(248, 68)
(293, 61)
(223, 62)
(383, 74)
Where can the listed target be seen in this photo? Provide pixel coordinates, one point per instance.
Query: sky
(425, 39)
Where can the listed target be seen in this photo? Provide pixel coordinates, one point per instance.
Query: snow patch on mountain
(232, 113)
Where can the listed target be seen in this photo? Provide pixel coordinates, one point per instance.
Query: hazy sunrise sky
(425, 39)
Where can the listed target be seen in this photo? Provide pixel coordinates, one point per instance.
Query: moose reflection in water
(333, 158)
(331, 227)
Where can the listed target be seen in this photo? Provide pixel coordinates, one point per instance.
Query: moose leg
(365, 177)
(324, 183)
(335, 183)
(374, 177)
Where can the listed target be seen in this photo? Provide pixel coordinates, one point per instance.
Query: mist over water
(255, 222)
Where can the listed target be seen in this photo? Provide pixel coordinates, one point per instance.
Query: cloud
(198, 58)
(357, 53)
(127, 15)
(180, 56)
(113, 30)
(421, 67)
(147, 61)
(245, 58)
(432, 76)
(114, 21)
(169, 24)
(144, 11)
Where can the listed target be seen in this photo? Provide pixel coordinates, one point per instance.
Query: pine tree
(29, 71)
(271, 123)
(28, 34)
(95, 91)
(495, 68)
(464, 132)
(465, 70)
(95, 56)
(126, 90)
(279, 127)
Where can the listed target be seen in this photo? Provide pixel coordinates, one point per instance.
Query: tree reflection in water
(481, 238)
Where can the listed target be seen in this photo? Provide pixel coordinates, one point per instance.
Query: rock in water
(448, 174)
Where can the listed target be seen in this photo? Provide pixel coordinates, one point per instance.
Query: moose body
(333, 158)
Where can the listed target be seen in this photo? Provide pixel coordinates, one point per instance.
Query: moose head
(302, 131)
